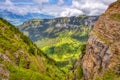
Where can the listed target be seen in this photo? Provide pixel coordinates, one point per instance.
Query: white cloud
(107, 2)
(8, 3)
(21, 9)
(78, 7)
(91, 7)
(60, 2)
(70, 12)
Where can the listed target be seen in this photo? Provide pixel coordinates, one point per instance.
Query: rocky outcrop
(103, 47)
(4, 73)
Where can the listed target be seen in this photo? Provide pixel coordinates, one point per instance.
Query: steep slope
(20, 59)
(102, 58)
(60, 38)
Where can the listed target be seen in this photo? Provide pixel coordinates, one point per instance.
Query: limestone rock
(4, 73)
(103, 47)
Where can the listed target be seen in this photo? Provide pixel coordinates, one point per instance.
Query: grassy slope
(66, 48)
(61, 43)
(25, 60)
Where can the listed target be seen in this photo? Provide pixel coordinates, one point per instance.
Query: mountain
(62, 39)
(102, 58)
(20, 59)
(17, 19)
(50, 28)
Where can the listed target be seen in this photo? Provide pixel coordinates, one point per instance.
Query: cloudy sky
(57, 8)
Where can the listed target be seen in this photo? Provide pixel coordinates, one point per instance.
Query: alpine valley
(65, 48)
(62, 39)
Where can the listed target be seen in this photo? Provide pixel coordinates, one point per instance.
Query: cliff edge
(103, 48)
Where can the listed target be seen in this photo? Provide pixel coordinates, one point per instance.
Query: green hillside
(60, 38)
(64, 49)
(20, 59)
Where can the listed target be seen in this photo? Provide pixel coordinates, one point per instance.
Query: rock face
(50, 28)
(4, 73)
(103, 47)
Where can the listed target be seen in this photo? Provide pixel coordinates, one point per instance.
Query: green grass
(115, 17)
(66, 48)
(27, 61)
(109, 75)
(79, 72)
(25, 74)
(104, 39)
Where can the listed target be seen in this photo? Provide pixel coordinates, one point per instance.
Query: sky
(57, 8)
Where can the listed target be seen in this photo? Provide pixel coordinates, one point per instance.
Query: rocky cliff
(102, 58)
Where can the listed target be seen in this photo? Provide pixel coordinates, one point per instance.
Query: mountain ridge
(17, 19)
(46, 27)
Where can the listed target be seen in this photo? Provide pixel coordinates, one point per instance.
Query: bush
(83, 48)
(79, 73)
